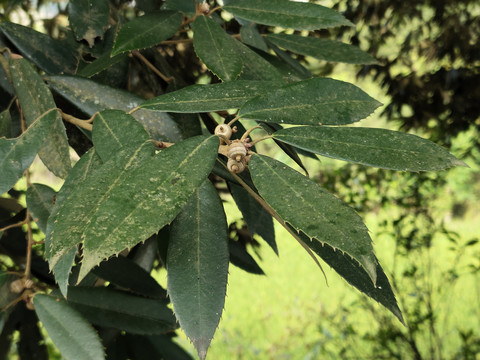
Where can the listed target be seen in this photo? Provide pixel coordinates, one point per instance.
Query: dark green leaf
(147, 31)
(35, 99)
(128, 275)
(381, 148)
(242, 259)
(73, 335)
(258, 220)
(217, 50)
(48, 54)
(5, 124)
(116, 309)
(114, 130)
(307, 207)
(146, 191)
(323, 49)
(185, 6)
(294, 64)
(312, 102)
(91, 97)
(40, 199)
(356, 275)
(212, 97)
(287, 14)
(80, 173)
(88, 18)
(17, 154)
(256, 67)
(31, 344)
(197, 266)
(168, 348)
(102, 63)
(251, 36)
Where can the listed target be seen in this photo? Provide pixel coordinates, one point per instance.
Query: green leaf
(381, 148)
(126, 274)
(114, 130)
(212, 97)
(116, 309)
(217, 50)
(102, 63)
(251, 36)
(145, 191)
(80, 173)
(307, 207)
(91, 97)
(147, 31)
(35, 99)
(240, 257)
(5, 124)
(74, 336)
(48, 54)
(287, 14)
(185, 6)
(197, 266)
(17, 154)
(288, 60)
(356, 275)
(40, 199)
(312, 102)
(323, 49)
(258, 220)
(256, 67)
(88, 19)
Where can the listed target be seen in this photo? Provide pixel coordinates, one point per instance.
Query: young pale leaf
(307, 207)
(116, 309)
(88, 19)
(17, 154)
(80, 173)
(73, 335)
(47, 53)
(197, 266)
(91, 97)
(217, 50)
(5, 124)
(114, 130)
(212, 97)
(146, 31)
(125, 273)
(381, 148)
(323, 49)
(356, 275)
(35, 99)
(312, 102)
(287, 14)
(258, 220)
(40, 199)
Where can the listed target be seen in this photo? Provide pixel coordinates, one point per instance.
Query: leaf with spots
(35, 99)
(91, 97)
(381, 148)
(287, 14)
(146, 31)
(308, 208)
(217, 50)
(129, 198)
(197, 266)
(311, 102)
(40, 199)
(74, 337)
(88, 19)
(114, 130)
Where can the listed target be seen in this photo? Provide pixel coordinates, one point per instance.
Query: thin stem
(261, 139)
(84, 124)
(28, 261)
(245, 135)
(151, 66)
(213, 10)
(278, 218)
(21, 223)
(133, 110)
(178, 41)
(231, 122)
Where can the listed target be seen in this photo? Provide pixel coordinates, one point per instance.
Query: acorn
(224, 131)
(235, 166)
(237, 150)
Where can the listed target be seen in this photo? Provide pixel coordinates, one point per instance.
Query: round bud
(224, 130)
(237, 150)
(235, 166)
(17, 286)
(204, 8)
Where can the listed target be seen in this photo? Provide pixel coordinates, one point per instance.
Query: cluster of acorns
(237, 151)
